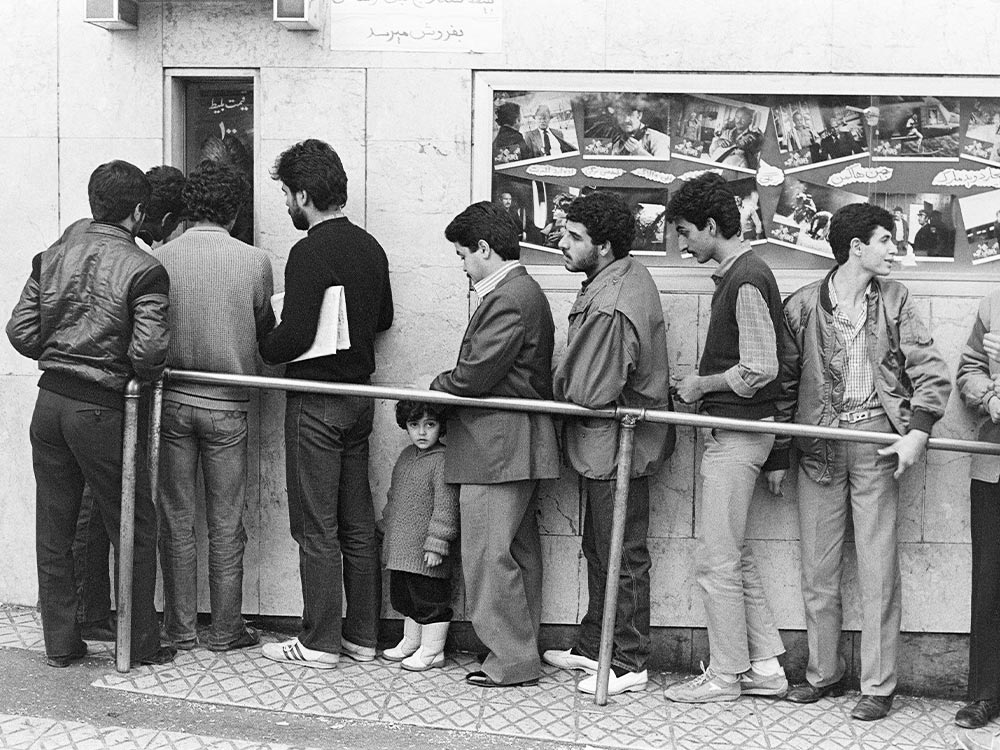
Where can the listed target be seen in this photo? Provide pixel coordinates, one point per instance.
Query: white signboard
(416, 25)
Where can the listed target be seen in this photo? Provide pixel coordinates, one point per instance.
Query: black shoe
(162, 655)
(249, 637)
(978, 713)
(872, 707)
(65, 661)
(481, 679)
(99, 630)
(806, 693)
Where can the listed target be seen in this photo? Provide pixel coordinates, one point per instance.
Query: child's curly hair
(410, 411)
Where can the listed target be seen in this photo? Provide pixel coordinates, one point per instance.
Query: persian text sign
(416, 25)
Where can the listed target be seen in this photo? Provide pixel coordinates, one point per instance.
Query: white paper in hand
(332, 333)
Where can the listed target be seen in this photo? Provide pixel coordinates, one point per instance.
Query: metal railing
(627, 419)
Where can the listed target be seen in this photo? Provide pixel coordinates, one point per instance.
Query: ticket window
(218, 125)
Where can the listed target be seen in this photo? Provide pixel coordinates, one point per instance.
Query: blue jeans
(331, 517)
(74, 443)
(218, 440)
(741, 627)
(631, 640)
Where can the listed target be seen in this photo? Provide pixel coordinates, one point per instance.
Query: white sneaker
(293, 652)
(356, 652)
(626, 683)
(707, 687)
(422, 660)
(568, 660)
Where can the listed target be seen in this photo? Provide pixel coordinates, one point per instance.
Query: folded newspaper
(332, 334)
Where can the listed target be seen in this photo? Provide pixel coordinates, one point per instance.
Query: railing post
(153, 453)
(126, 534)
(626, 433)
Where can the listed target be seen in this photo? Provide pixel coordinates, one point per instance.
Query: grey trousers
(861, 484)
(741, 627)
(502, 567)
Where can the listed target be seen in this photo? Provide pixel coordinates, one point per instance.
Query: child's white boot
(410, 643)
(431, 651)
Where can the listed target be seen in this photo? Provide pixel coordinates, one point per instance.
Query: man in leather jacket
(93, 313)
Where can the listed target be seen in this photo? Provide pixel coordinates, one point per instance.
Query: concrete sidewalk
(550, 715)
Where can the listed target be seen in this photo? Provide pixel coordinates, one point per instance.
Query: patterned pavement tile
(428, 711)
(526, 720)
(554, 710)
(611, 730)
(786, 741)
(33, 733)
(342, 701)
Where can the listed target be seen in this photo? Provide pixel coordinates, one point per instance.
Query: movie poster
(793, 160)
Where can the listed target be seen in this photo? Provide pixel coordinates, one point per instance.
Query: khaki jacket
(616, 356)
(976, 384)
(911, 378)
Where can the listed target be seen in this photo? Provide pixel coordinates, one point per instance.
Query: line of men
(849, 350)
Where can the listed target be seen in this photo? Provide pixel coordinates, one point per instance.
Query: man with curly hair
(616, 356)
(737, 377)
(220, 307)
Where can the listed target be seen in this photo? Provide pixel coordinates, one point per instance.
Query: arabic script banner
(472, 26)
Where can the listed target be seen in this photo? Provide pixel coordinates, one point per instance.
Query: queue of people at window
(850, 350)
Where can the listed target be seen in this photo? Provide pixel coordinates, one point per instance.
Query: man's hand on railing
(774, 479)
(908, 449)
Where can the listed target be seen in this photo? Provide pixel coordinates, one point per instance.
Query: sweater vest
(722, 348)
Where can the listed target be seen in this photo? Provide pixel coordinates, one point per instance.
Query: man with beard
(640, 139)
(326, 437)
(738, 142)
(616, 356)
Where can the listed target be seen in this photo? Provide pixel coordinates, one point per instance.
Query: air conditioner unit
(297, 15)
(112, 14)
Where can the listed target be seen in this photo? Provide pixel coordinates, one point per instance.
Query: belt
(860, 415)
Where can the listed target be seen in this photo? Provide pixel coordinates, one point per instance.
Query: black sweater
(334, 252)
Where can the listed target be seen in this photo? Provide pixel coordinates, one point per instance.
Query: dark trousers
(331, 517)
(91, 548)
(419, 597)
(73, 444)
(984, 637)
(631, 639)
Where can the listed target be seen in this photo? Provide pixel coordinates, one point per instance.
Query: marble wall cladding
(18, 581)
(33, 224)
(564, 580)
(655, 36)
(560, 505)
(30, 104)
(110, 83)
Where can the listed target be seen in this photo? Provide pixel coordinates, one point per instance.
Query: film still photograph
(748, 200)
(924, 128)
(719, 130)
(982, 132)
(818, 130)
(981, 216)
(923, 228)
(802, 217)
(625, 126)
(532, 125)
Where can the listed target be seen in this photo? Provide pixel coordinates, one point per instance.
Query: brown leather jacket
(911, 378)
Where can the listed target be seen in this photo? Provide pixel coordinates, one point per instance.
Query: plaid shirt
(857, 374)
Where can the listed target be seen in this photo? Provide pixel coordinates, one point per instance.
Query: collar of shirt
(835, 304)
(724, 266)
(486, 285)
